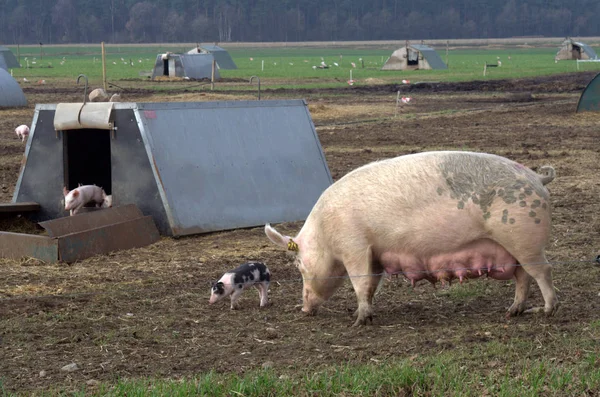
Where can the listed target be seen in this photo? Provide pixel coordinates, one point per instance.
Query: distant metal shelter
(414, 57)
(7, 59)
(590, 97)
(11, 94)
(197, 66)
(571, 50)
(195, 167)
(224, 60)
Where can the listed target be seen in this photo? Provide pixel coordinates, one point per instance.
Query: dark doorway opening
(165, 67)
(87, 158)
(412, 58)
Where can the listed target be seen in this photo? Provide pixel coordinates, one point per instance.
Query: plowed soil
(145, 312)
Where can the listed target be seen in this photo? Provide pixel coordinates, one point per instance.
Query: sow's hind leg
(538, 268)
(365, 278)
(523, 283)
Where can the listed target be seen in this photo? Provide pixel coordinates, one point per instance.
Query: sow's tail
(279, 239)
(546, 174)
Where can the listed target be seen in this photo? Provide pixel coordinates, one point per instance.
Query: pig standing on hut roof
(434, 216)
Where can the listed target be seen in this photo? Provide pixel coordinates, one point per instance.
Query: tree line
(134, 21)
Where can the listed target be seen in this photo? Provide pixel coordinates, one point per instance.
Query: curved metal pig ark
(434, 216)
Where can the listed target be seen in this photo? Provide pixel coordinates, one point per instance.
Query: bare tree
(143, 24)
(64, 15)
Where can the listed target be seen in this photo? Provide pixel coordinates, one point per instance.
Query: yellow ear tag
(293, 246)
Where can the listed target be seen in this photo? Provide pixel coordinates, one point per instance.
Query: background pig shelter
(11, 94)
(195, 167)
(224, 60)
(8, 59)
(198, 66)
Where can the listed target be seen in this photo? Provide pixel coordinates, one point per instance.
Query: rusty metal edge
(134, 233)
(19, 245)
(90, 220)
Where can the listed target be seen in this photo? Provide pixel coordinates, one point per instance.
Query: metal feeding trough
(78, 237)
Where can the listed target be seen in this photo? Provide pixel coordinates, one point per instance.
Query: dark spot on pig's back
(481, 179)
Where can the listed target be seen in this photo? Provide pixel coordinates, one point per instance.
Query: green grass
(456, 374)
(295, 64)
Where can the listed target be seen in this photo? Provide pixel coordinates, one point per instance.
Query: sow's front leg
(365, 278)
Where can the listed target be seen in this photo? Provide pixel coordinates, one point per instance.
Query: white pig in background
(434, 216)
(80, 196)
(22, 132)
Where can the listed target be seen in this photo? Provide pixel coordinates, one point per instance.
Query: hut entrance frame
(169, 67)
(87, 158)
(165, 67)
(576, 51)
(412, 58)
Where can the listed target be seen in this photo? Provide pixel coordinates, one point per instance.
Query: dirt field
(145, 312)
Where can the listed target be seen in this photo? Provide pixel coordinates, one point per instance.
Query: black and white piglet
(235, 281)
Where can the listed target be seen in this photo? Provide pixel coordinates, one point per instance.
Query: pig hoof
(552, 311)
(534, 310)
(363, 321)
(548, 311)
(516, 310)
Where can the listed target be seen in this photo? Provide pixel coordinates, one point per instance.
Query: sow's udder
(483, 257)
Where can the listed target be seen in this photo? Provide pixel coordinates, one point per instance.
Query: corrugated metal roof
(11, 94)
(198, 66)
(587, 49)
(7, 59)
(221, 55)
(430, 55)
(224, 165)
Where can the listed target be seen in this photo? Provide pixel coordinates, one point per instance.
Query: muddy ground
(145, 312)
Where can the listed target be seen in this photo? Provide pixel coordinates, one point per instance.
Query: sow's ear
(276, 237)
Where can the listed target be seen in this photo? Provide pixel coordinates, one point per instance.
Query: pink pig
(22, 132)
(433, 216)
(80, 196)
(106, 200)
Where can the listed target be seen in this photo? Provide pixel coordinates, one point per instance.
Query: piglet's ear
(75, 193)
(65, 191)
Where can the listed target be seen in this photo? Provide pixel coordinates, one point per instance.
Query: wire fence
(448, 271)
